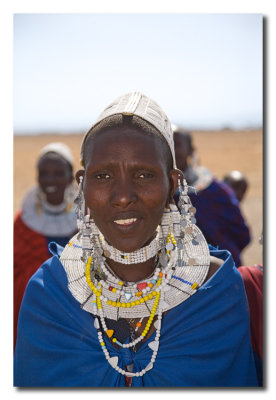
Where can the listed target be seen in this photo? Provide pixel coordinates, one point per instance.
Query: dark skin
(238, 183)
(54, 175)
(126, 179)
(183, 151)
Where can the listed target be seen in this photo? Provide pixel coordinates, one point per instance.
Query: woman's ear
(78, 174)
(175, 176)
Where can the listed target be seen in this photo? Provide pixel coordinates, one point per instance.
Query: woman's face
(183, 150)
(127, 186)
(54, 175)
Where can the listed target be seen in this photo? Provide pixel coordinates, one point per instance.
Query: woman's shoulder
(215, 264)
(48, 282)
(221, 266)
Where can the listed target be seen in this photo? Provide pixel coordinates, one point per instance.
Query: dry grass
(221, 151)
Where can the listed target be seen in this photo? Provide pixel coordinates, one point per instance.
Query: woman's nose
(48, 179)
(124, 193)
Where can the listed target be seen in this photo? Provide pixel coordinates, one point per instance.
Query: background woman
(47, 214)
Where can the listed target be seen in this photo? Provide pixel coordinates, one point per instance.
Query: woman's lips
(125, 222)
(51, 189)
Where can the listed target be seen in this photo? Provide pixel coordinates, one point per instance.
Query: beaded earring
(186, 223)
(164, 231)
(79, 201)
(86, 226)
(177, 222)
(184, 204)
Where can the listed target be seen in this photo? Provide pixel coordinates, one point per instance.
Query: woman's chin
(54, 198)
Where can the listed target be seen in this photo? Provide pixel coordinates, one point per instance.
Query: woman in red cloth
(47, 215)
(253, 282)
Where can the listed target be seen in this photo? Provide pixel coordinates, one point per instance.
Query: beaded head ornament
(59, 148)
(136, 103)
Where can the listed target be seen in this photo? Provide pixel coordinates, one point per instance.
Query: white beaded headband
(136, 103)
(59, 148)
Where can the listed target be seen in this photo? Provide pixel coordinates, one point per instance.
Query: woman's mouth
(125, 222)
(51, 189)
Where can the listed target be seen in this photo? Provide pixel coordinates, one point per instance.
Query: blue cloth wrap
(204, 342)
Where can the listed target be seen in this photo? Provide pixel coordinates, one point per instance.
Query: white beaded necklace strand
(113, 361)
(143, 334)
(154, 345)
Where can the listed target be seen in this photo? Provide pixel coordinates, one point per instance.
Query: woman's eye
(103, 176)
(145, 175)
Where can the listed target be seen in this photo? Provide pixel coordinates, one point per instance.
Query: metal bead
(183, 223)
(169, 246)
(180, 263)
(149, 366)
(191, 261)
(154, 345)
(199, 238)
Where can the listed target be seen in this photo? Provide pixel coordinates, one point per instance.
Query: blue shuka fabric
(205, 341)
(220, 220)
(219, 217)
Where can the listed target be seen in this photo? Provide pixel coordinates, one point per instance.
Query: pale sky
(204, 70)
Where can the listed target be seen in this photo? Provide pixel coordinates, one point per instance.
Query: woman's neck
(132, 272)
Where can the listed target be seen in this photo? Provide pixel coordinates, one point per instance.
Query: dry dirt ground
(220, 151)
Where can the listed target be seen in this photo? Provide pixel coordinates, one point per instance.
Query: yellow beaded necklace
(117, 303)
(98, 292)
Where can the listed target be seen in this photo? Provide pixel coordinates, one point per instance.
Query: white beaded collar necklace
(135, 257)
(179, 288)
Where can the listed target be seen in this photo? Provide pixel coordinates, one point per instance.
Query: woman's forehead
(123, 143)
(53, 160)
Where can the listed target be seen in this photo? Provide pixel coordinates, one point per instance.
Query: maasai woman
(136, 298)
(47, 214)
